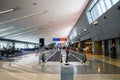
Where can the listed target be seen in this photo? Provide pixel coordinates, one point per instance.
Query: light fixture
(79, 33)
(72, 42)
(9, 10)
(6, 11)
(24, 17)
(21, 36)
(95, 23)
(85, 30)
(6, 29)
(25, 32)
(9, 33)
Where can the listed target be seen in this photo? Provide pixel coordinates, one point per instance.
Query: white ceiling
(34, 19)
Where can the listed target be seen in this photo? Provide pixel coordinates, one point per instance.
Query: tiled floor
(28, 68)
(115, 62)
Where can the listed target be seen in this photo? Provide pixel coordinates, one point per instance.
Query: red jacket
(67, 51)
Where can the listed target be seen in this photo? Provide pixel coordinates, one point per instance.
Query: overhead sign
(59, 39)
(56, 39)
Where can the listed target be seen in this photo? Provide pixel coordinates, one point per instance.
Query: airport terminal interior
(59, 39)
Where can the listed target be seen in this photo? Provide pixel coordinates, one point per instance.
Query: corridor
(27, 67)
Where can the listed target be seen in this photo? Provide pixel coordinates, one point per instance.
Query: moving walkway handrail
(81, 56)
(52, 52)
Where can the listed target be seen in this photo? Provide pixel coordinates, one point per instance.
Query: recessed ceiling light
(85, 30)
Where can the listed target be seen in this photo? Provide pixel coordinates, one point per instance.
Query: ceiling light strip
(9, 33)
(31, 15)
(23, 33)
(17, 37)
(6, 11)
(25, 39)
(5, 29)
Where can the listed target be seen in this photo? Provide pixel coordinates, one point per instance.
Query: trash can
(67, 72)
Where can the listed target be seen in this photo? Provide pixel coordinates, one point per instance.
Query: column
(103, 48)
(117, 42)
(93, 47)
(109, 46)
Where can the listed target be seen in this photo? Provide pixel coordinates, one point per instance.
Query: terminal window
(99, 7)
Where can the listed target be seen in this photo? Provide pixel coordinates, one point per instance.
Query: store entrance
(113, 49)
(88, 47)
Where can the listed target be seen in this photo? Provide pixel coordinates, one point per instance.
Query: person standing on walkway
(67, 53)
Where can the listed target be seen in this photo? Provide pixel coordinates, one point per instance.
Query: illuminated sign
(59, 39)
(56, 39)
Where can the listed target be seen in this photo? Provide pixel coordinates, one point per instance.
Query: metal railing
(80, 56)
